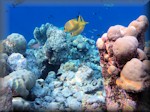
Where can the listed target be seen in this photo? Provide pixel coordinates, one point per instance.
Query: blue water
(23, 19)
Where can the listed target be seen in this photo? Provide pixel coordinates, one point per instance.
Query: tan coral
(141, 24)
(141, 54)
(133, 76)
(104, 37)
(106, 57)
(130, 31)
(146, 65)
(112, 70)
(147, 51)
(100, 43)
(125, 47)
(114, 32)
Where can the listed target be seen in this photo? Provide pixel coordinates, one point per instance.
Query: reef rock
(59, 47)
(20, 81)
(63, 92)
(16, 61)
(15, 43)
(3, 65)
(5, 97)
(19, 104)
(40, 33)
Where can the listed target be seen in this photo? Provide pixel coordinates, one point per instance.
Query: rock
(56, 92)
(50, 77)
(21, 81)
(40, 33)
(66, 92)
(57, 84)
(54, 106)
(39, 90)
(96, 99)
(16, 61)
(70, 75)
(73, 104)
(14, 43)
(5, 97)
(83, 73)
(3, 68)
(19, 104)
(33, 65)
(48, 99)
(60, 99)
(79, 95)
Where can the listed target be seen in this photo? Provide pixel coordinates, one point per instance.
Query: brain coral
(134, 75)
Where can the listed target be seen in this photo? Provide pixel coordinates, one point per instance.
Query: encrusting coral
(124, 64)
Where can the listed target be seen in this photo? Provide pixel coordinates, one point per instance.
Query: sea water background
(24, 18)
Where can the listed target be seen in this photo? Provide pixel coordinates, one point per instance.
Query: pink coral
(130, 31)
(125, 48)
(100, 43)
(114, 32)
(141, 54)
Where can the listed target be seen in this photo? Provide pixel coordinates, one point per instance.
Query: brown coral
(123, 52)
(141, 55)
(125, 48)
(133, 76)
(112, 70)
(114, 32)
(130, 31)
(100, 44)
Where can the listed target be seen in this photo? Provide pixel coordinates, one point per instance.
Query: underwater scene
(67, 57)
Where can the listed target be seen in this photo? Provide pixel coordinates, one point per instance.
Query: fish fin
(82, 20)
(79, 18)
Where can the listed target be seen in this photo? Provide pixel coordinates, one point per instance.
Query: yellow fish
(75, 26)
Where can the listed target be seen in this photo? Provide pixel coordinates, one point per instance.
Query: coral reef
(3, 65)
(72, 90)
(20, 81)
(5, 97)
(54, 72)
(147, 49)
(14, 43)
(16, 61)
(21, 104)
(134, 75)
(124, 64)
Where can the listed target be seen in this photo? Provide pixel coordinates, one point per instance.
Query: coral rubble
(124, 65)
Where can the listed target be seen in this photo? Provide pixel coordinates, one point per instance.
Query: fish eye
(71, 33)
